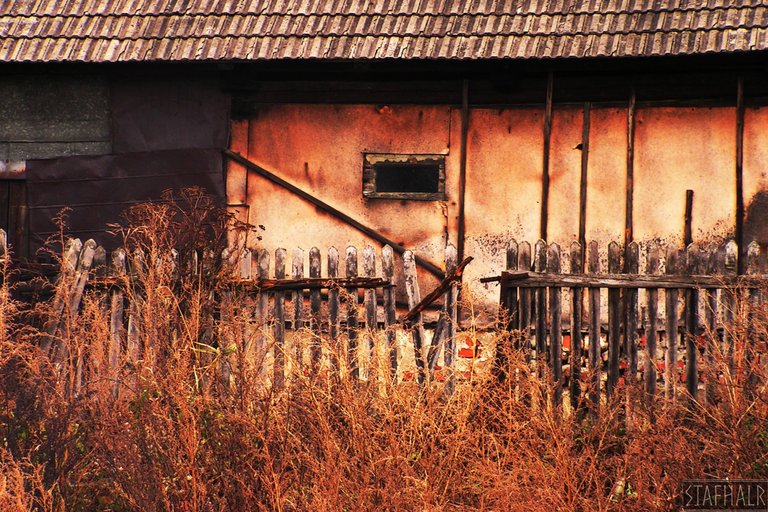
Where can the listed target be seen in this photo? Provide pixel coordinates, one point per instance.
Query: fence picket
(595, 361)
(262, 311)
(279, 357)
(753, 305)
(729, 304)
(524, 263)
(297, 272)
(390, 312)
(314, 308)
(333, 310)
(369, 269)
(352, 322)
(671, 296)
(556, 330)
(614, 322)
(651, 332)
(692, 324)
(577, 311)
(710, 316)
(540, 294)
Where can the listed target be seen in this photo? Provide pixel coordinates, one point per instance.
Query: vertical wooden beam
(740, 176)
(630, 182)
(463, 167)
(414, 297)
(545, 159)
(688, 226)
(583, 181)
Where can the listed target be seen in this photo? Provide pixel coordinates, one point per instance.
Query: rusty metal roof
(184, 30)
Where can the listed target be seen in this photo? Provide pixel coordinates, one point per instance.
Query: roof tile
(137, 30)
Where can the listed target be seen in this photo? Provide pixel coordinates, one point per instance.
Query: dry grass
(178, 437)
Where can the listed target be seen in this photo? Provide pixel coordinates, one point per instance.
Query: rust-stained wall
(319, 148)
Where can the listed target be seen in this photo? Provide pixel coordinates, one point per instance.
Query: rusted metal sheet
(98, 189)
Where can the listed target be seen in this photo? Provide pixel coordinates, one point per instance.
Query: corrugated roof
(180, 30)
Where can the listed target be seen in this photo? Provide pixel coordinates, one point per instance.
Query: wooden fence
(695, 321)
(339, 319)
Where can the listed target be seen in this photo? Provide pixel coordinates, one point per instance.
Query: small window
(418, 177)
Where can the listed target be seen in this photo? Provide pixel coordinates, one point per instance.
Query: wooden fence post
(651, 332)
(577, 311)
(556, 329)
(710, 315)
(540, 294)
(526, 299)
(751, 356)
(262, 313)
(614, 322)
(297, 272)
(333, 310)
(692, 325)
(671, 294)
(632, 266)
(390, 312)
(279, 358)
(352, 322)
(595, 361)
(729, 305)
(314, 307)
(369, 269)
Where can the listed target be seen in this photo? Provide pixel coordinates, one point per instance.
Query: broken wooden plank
(414, 299)
(435, 294)
(450, 309)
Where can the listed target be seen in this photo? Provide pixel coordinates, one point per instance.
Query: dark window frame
(373, 162)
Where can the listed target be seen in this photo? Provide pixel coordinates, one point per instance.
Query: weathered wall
(319, 147)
